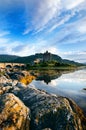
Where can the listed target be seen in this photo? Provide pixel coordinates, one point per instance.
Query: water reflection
(49, 75)
(48, 78)
(70, 84)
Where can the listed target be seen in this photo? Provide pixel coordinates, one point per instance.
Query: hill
(32, 58)
(8, 58)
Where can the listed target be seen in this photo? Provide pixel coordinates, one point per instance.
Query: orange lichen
(27, 79)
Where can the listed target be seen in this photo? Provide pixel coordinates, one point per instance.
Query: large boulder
(14, 115)
(16, 75)
(49, 111)
(4, 80)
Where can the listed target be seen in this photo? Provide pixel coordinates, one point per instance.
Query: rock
(9, 86)
(5, 89)
(15, 82)
(48, 111)
(25, 73)
(21, 85)
(14, 115)
(15, 90)
(4, 80)
(15, 75)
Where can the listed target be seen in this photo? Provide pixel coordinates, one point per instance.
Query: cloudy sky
(32, 26)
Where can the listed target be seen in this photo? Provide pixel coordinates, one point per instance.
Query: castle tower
(46, 56)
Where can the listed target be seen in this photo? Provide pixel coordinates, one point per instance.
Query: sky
(34, 26)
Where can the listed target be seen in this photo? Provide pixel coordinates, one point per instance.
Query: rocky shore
(24, 107)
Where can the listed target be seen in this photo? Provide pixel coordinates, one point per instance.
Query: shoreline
(45, 109)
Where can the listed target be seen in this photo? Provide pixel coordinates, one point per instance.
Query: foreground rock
(14, 115)
(49, 111)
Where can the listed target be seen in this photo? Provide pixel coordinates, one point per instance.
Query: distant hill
(65, 61)
(84, 63)
(8, 58)
(31, 58)
(28, 59)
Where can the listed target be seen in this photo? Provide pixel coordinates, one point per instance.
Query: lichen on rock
(14, 115)
(27, 79)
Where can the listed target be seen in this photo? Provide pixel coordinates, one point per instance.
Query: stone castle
(46, 56)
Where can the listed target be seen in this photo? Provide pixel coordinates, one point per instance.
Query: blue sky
(33, 26)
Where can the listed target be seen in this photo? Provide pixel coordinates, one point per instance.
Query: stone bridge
(12, 65)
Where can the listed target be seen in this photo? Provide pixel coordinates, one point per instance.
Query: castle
(46, 56)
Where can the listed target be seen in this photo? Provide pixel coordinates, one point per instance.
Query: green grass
(52, 68)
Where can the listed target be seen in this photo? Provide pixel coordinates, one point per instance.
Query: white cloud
(79, 56)
(48, 15)
(53, 83)
(18, 48)
(53, 50)
(23, 50)
(82, 26)
(61, 22)
(47, 12)
(71, 33)
(3, 40)
(26, 31)
(4, 33)
(48, 9)
(70, 4)
(43, 12)
(6, 46)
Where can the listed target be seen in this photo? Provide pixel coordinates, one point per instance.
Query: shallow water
(69, 85)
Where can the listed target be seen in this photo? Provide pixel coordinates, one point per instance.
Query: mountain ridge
(7, 58)
(29, 59)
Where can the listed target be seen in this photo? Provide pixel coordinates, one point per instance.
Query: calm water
(70, 85)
